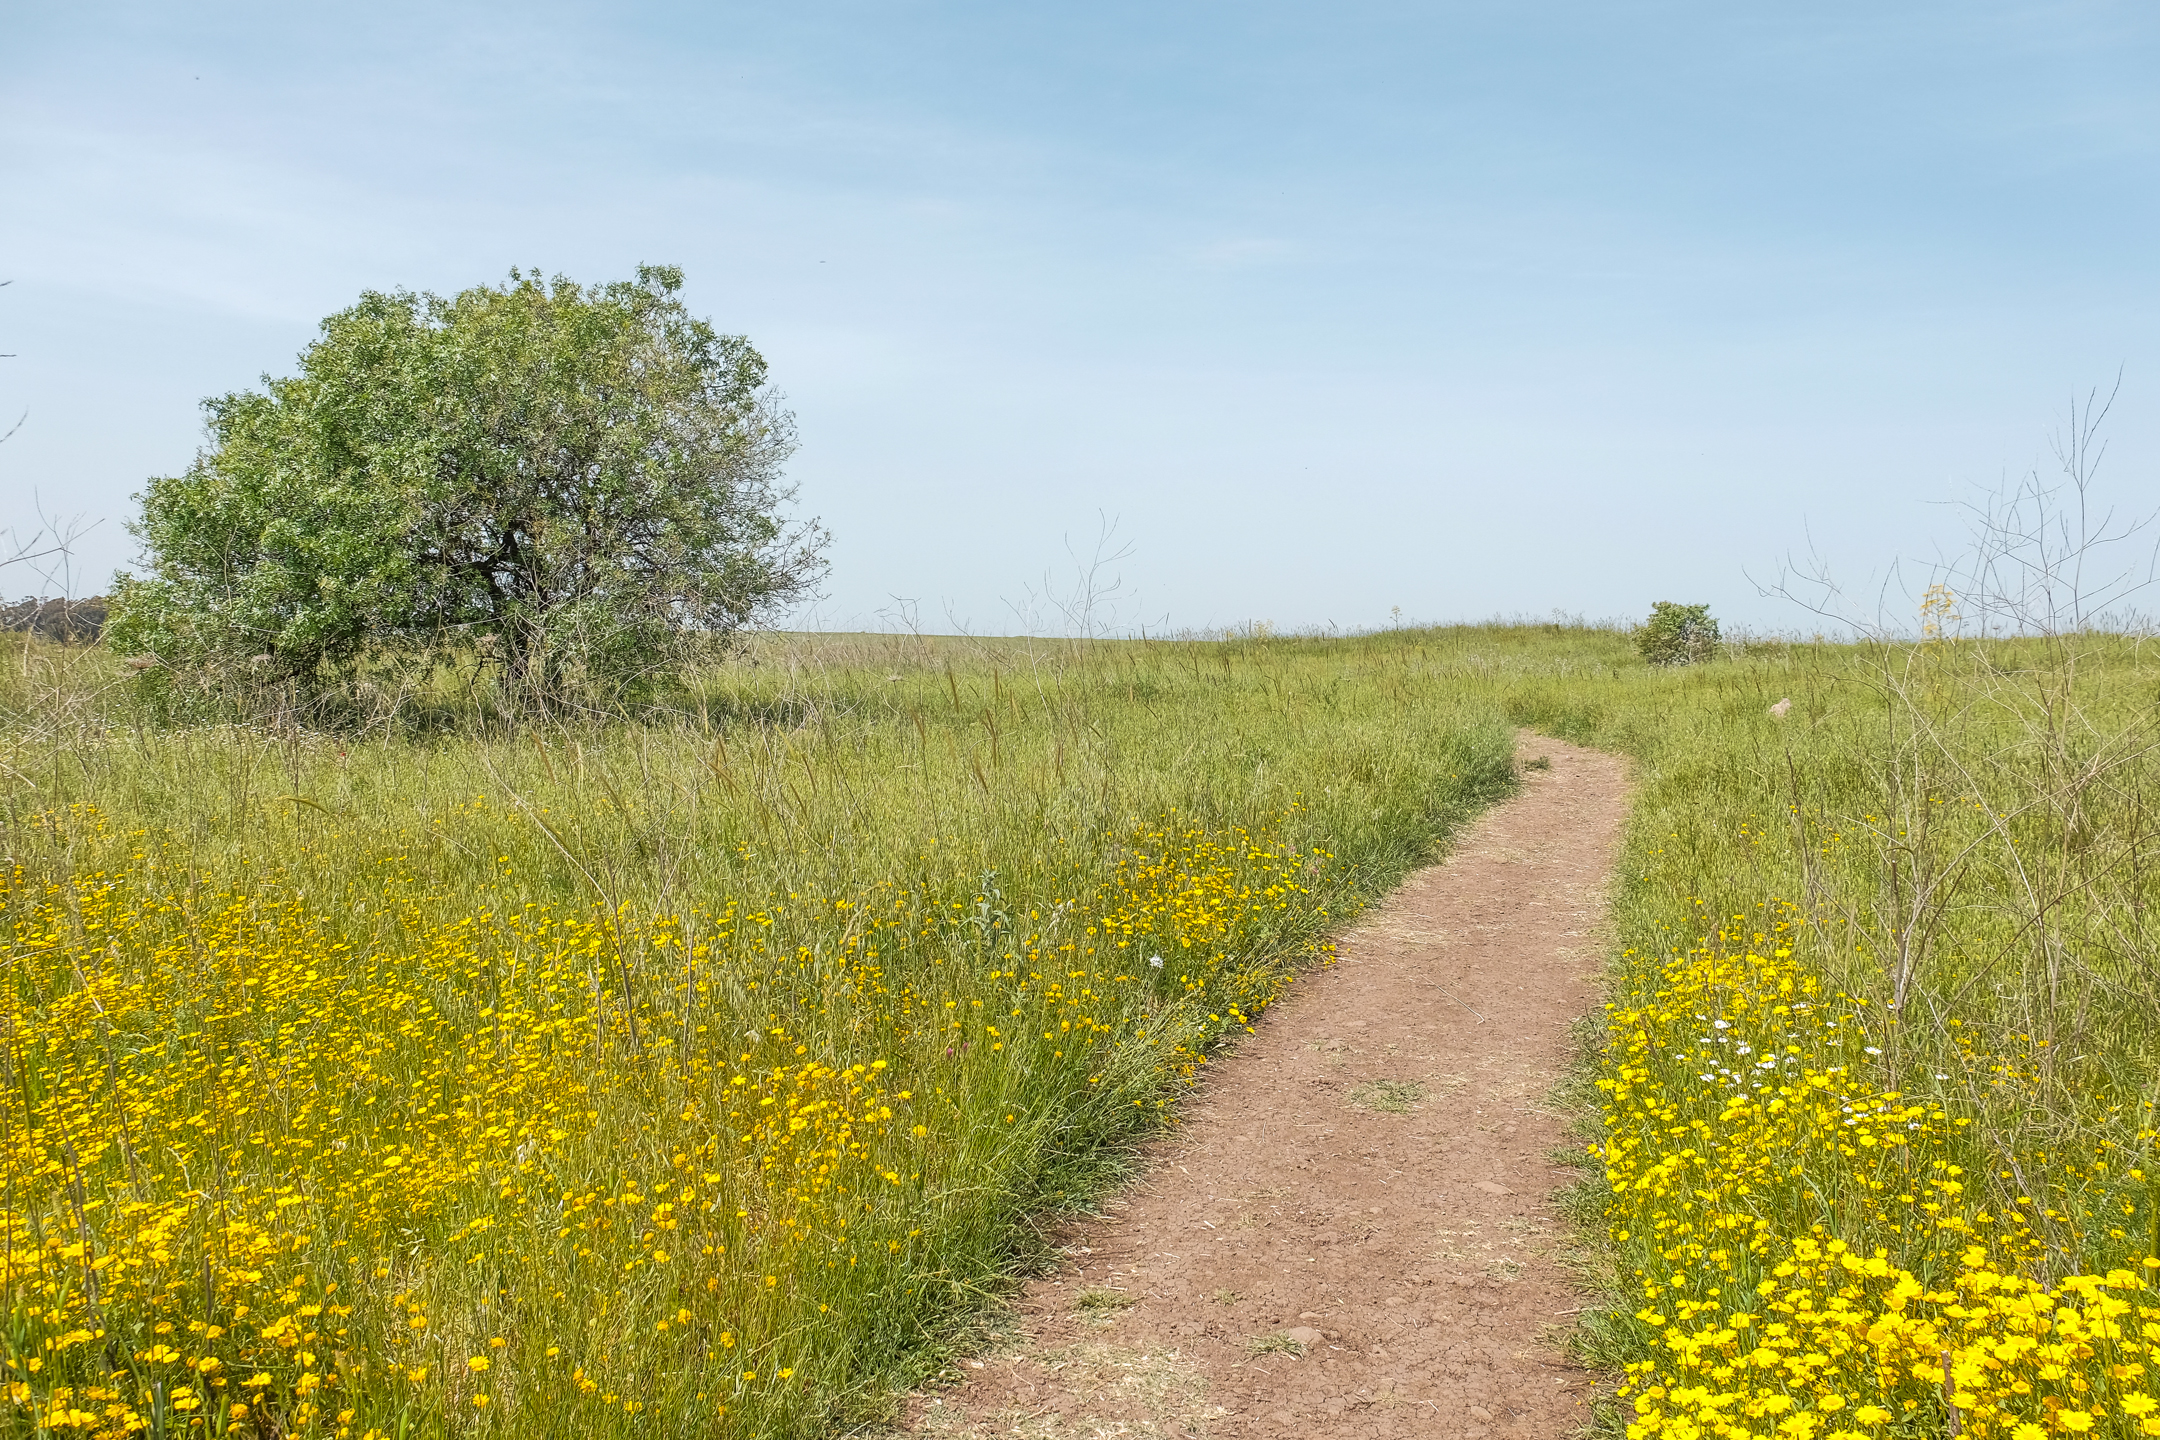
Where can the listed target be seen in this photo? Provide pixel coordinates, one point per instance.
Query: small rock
(1493, 1187)
(1304, 1335)
(1479, 1412)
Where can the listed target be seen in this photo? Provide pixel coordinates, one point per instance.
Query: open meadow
(697, 1076)
(708, 1072)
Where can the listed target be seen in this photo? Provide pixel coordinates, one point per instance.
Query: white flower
(1874, 1050)
(1154, 962)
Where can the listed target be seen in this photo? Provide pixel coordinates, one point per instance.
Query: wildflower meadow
(710, 1070)
(1871, 1105)
(659, 1076)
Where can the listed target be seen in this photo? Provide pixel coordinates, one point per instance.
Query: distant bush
(70, 622)
(1677, 634)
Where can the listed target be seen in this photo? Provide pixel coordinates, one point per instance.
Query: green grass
(1103, 1300)
(1962, 833)
(579, 983)
(1946, 848)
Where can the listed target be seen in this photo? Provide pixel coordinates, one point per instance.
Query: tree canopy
(570, 491)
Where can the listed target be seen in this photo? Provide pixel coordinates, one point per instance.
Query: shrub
(1677, 634)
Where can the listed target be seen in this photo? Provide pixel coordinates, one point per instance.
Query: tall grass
(1963, 829)
(901, 890)
(697, 1073)
(1879, 1070)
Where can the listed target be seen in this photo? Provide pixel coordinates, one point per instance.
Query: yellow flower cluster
(1749, 1136)
(312, 1168)
(1235, 913)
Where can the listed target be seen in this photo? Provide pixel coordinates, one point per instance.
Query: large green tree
(570, 490)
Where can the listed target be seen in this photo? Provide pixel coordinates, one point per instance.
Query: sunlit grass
(1876, 1076)
(563, 975)
(696, 1075)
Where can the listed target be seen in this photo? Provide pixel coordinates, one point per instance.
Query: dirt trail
(1367, 1176)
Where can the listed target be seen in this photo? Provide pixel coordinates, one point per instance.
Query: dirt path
(1366, 1178)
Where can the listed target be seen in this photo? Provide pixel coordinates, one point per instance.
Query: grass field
(1877, 1076)
(703, 1075)
(699, 1076)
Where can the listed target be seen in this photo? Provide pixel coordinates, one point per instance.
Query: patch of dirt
(1351, 1233)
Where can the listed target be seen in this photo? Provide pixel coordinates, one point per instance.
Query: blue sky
(1334, 309)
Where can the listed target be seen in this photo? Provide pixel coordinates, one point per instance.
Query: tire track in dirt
(1366, 1177)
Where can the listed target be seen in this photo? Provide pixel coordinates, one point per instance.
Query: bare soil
(1351, 1231)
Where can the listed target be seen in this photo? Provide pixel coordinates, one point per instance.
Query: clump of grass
(1273, 1343)
(1100, 1298)
(1389, 1097)
(1226, 1297)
